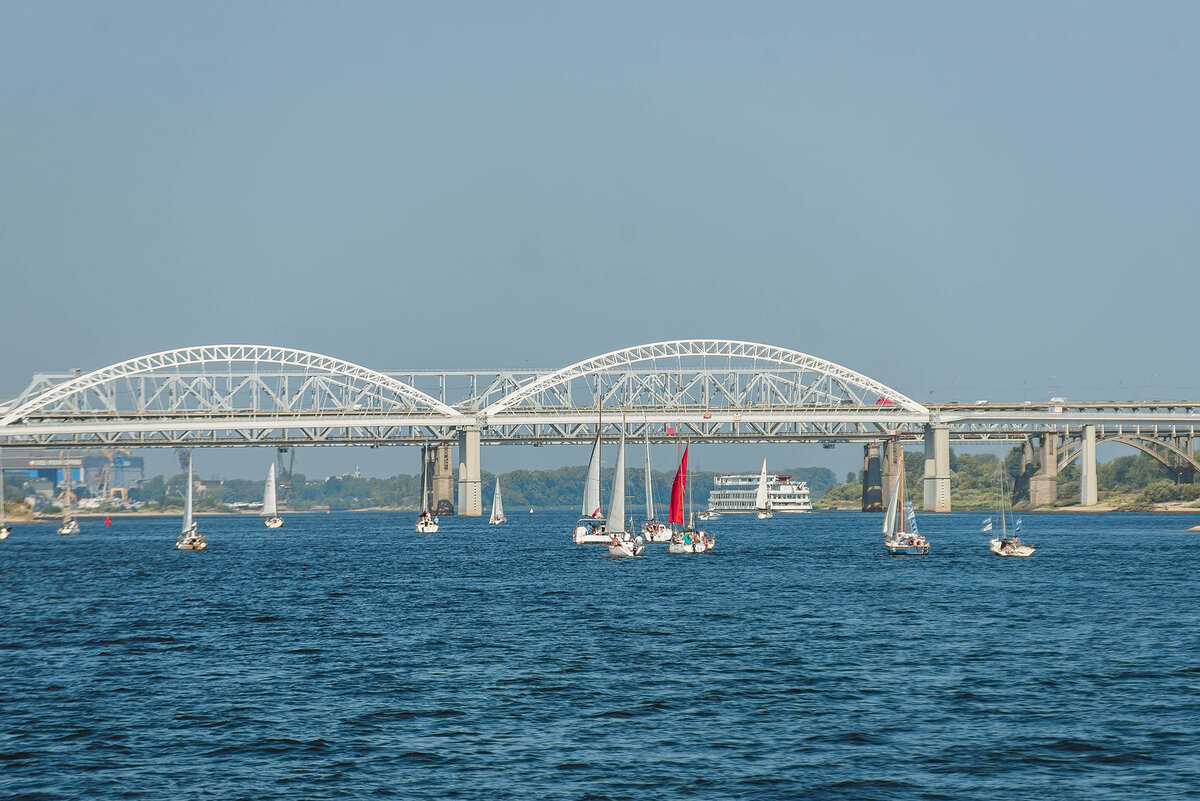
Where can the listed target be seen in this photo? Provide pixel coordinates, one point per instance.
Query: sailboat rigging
(653, 529)
(427, 522)
(5, 529)
(1006, 544)
(591, 526)
(69, 527)
(762, 506)
(620, 542)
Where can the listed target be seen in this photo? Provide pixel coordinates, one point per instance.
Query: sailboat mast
(649, 479)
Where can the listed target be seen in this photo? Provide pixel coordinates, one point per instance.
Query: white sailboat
(653, 529)
(621, 542)
(270, 511)
(427, 522)
(190, 538)
(497, 518)
(5, 528)
(900, 535)
(1006, 544)
(69, 526)
(762, 506)
(590, 527)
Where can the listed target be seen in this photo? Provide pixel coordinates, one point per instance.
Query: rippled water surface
(346, 656)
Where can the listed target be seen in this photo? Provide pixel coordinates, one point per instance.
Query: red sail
(677, 490)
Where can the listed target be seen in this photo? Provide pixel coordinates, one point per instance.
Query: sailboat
(900, 535)
(190, 538)
(685, 540)
(270, 510)
(5, 528)
(1006, 544)
(497, 518)
(653, 530)
(591, 525)
(427, 522)
(762, 506)
(69, 526)
(621, 542)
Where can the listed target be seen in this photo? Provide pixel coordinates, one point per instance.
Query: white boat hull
(273, 522)
(427, 528)
(591, 531)
(764, 515)
(193, 542)
(657, 532)
(497, 521)
(907, 545)
(692, 542)
(4, 532)
(1000, 548)
(68, 529)
(626, 548)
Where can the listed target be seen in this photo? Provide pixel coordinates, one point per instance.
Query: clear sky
(961, 200)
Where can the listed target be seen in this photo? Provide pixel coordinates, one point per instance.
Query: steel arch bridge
(243, 395)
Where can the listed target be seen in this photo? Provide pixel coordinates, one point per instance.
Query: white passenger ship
(734, 494)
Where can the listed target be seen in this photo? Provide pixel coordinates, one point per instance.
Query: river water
(347, 657)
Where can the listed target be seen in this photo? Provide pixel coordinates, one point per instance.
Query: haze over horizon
(960, 201)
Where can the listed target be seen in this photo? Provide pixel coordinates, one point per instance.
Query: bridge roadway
(708, 391)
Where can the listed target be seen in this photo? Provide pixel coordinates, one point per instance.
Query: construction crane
(112, 475)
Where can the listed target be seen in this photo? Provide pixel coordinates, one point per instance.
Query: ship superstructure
(735, 494)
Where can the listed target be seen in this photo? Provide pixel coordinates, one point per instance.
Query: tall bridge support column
(937, 469)
(470, 495)
(893, 453)
(1043, 486)
(872, 498)
(1184, 472)
(442, 478)
(1087, 468)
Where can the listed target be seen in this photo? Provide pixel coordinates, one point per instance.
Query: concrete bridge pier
(441, 477)
(937, 469)
(890, 464)
(1021, 487)
(470, 495)
(872, 497)
(1043, 486)
(1087, 468)
(1184, 472)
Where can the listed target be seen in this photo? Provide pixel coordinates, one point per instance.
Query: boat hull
(998, 547)
(908, 545)
(273, 522)
(427, 528)
(626, 549)
(4, 532)
(657, 532)
(69, 529)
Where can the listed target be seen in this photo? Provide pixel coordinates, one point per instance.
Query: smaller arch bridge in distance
(228, 395)
(1156, 446)
(711, 389)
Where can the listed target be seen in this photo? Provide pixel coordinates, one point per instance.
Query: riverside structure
(704, 390)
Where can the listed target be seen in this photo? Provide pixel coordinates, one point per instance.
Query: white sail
(269, 506)
(649, 480)
(187, 506)
(591, 485)
(1, 493)
(497, 504)
(760, 498)
(616, 506)
(889, 519)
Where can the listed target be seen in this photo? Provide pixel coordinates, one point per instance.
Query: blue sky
(960, 200)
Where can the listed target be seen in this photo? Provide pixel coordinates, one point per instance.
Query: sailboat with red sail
(685, 540)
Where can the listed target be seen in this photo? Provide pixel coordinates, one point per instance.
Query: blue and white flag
(1017, 524)
(987, 524)
(911, 517)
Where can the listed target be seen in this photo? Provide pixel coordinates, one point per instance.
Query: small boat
(591, 526)
(69, 526)
(270, 512)
(497, 517)
(900, 535)
(621, 542)
(190, 538)
(654, 530)
(762, 506)
(5, 528)
(1006, 544)
(689, 539)
(427, 521)
(708, 514)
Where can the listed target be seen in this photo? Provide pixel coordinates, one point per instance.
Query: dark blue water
(348, 657)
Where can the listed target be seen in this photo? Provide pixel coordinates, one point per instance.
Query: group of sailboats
(613, 530)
